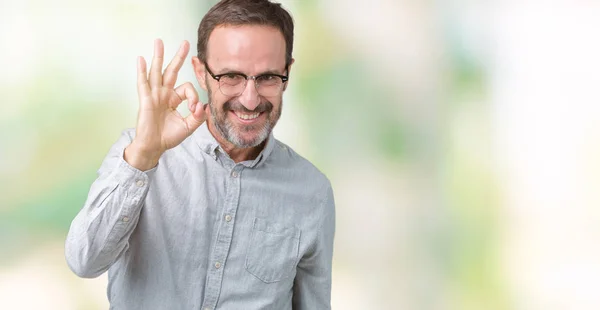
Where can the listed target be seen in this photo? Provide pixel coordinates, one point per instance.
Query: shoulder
(296, 165)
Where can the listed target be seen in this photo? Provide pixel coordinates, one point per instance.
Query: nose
(250, 98)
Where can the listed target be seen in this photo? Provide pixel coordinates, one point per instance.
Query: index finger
(142, 78)
(170, 75)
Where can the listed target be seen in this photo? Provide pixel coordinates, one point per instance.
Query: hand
(159, 125)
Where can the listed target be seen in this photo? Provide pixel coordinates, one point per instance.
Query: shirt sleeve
(100, 232)
(312, 285)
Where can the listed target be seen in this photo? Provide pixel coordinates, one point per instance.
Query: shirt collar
(205, 140)
(209, 145)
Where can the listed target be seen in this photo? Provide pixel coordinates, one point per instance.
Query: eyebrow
(227, 70)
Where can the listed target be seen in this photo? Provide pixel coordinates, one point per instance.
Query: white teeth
(247, 116)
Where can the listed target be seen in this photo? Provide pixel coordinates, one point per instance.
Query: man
(210, 211)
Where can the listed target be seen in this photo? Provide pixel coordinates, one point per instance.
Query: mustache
(264, 106)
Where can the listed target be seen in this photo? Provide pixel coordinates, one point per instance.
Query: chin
(248, 140)
(248, 143)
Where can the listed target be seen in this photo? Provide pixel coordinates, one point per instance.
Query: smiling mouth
(246, 116)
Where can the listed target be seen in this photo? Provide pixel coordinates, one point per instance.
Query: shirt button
(125, 219)
(217, 265)
(234, 174)
(228, 218)
(139, 183)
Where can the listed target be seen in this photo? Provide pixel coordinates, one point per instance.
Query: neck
(235, 153)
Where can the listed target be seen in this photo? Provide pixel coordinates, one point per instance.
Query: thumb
(206, 109)
(196, 118)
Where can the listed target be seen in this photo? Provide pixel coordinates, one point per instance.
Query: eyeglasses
(234, 83)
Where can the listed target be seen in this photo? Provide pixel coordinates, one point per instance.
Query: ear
(200, 72)
(289, 68)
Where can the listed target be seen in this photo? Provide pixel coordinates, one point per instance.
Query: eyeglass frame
(217, 77)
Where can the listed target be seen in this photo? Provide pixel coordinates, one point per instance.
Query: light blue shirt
(202, 232)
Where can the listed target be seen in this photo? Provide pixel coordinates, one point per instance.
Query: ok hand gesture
(159, 125)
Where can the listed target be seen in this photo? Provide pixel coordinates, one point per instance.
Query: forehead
(249, 48)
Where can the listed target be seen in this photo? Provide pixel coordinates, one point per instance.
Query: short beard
(229, 131)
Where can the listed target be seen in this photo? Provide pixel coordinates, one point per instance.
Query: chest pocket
(272, 251)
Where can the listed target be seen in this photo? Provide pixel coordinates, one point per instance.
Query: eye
(268, 79)
(231, 76)
(232, 79)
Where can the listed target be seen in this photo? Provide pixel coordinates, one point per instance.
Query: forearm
(100, 232)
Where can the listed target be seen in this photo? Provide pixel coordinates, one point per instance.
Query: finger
(157, 62)
(192, 106)
(196, 118)
(207, 111)
(170, 75)
(142, 78)
(199, 105)
(187, 92)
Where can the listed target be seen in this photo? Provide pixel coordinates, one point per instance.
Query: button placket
(224, 237)
(236, 171)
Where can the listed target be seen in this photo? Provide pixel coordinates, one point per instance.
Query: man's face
(245, 119)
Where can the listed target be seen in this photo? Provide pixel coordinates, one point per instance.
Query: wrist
(139, 158)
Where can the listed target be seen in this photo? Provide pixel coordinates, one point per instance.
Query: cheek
(276, 102)
(216, 98)
(218, 110)
(213, 92)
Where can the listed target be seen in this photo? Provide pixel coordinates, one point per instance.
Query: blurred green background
(461, 139)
